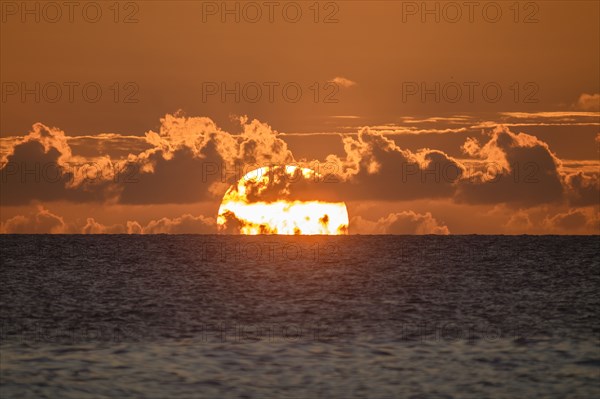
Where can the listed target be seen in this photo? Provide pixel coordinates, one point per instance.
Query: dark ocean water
(300, 317)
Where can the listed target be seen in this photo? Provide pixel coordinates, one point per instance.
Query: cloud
(574, 221)
(588, 102)
(40, 222)
(406, 222)
(41, 167)
(457, 119)
(190, 160)
(520, 169)
(193, 160)
(186, 224)
(559, 115)
(93, 227)
(392, 130)
(519, 222)
(113, 145)
(374, 167)
(134, 227)
(493, 124)
(583, 189)
(343, 82)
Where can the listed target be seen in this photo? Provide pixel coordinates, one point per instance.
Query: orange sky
(390, 101)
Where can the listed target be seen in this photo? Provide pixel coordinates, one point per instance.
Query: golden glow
(278, 216)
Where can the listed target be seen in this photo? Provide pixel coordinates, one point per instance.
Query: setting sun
(240, 213)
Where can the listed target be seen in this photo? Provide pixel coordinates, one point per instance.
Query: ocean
(213, 316)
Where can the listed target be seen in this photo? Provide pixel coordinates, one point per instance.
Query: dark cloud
(583, 189)
(230, 224)
(519, 169)
(189, 160)
(182, 179)
(41, 168)
(375, 168)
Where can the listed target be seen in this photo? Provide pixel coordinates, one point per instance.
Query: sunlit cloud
(588, 102)
(406, 222)
(400, 130)
(39, 221)
(574, 221)
(551, 114)
(343, 82)
(493, 124)
(458, 119)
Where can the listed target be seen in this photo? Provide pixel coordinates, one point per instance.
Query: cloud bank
(190, 160)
